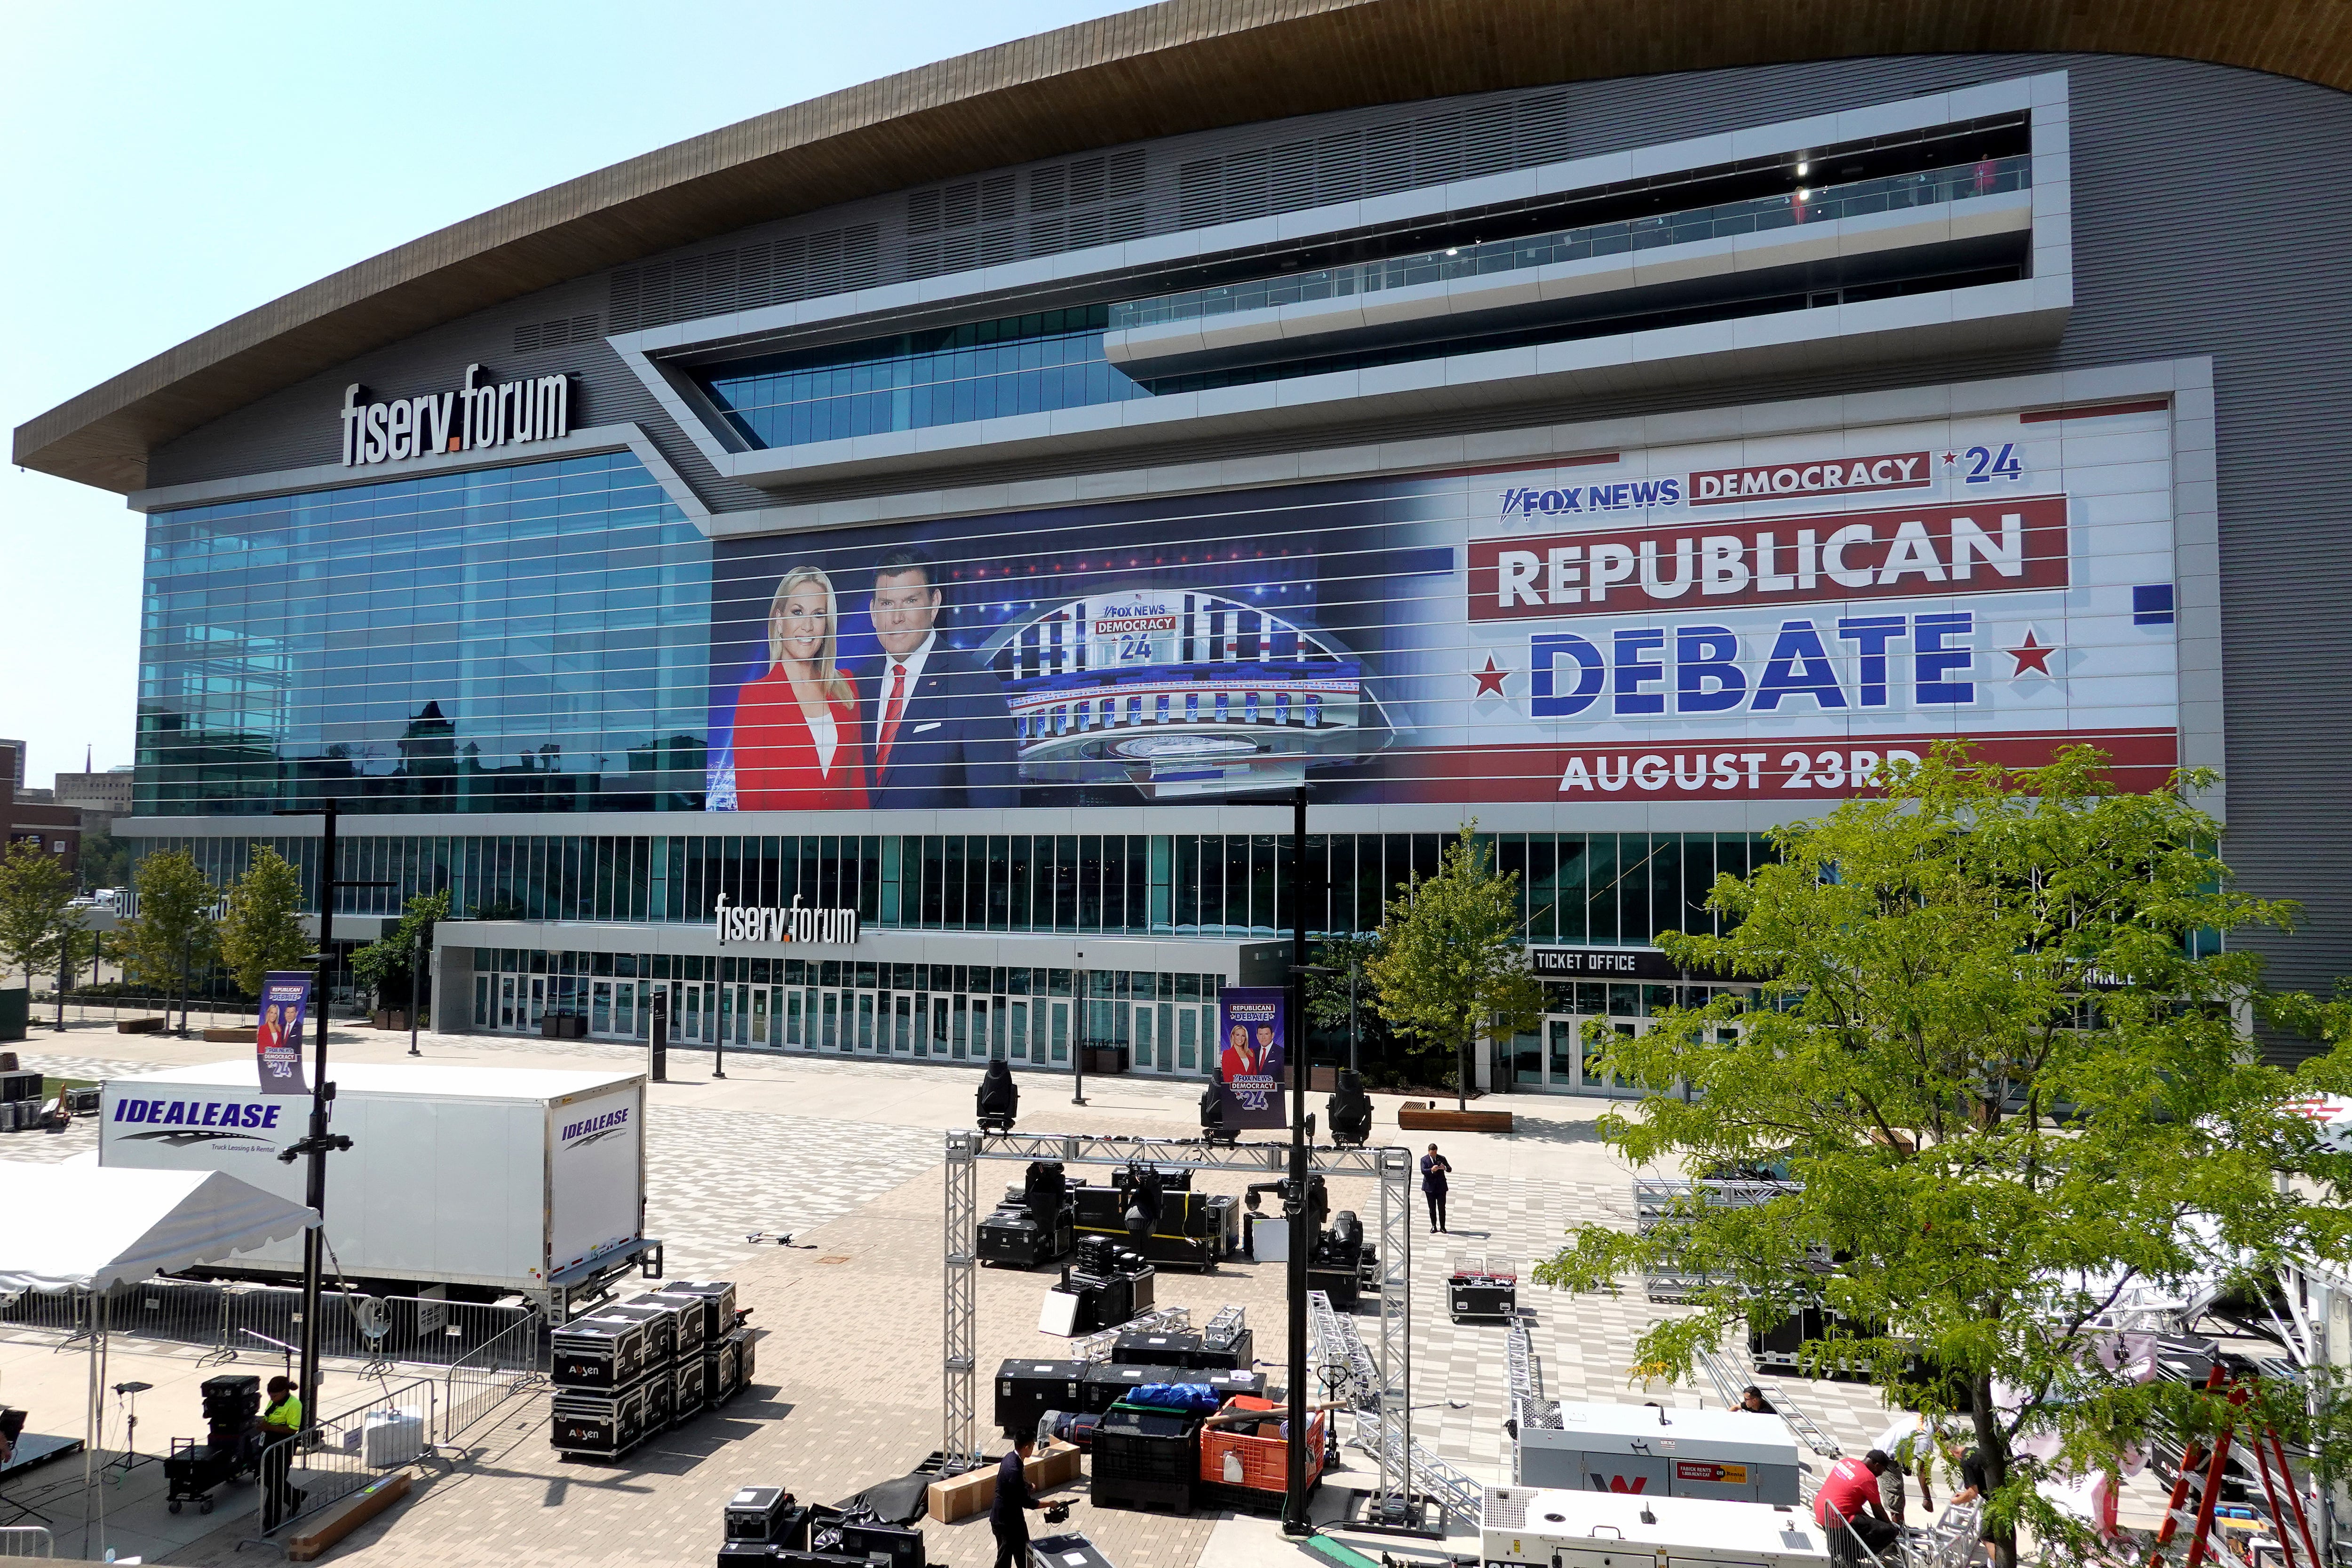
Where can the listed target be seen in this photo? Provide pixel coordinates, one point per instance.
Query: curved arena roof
(1182, 66)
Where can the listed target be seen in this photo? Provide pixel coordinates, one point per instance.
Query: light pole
(1294, 1520)
(315, 1145)
(1078, 1029)
(416, 988)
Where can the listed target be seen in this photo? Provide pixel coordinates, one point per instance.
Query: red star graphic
(1489, 679)
(2032, 656)
(1951, 459)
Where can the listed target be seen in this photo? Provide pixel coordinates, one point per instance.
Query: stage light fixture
(998, 1099)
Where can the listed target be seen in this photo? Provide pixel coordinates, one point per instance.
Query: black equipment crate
(1339, 1282)
(1010, 1235)
(1136, 1446)
(1105, 1384)
(683, 1315)
(723, 1371)
(193, 1471)
(660, 1395)
(1232, 1384)
(1156, 1350)
(765, 1514)
(689, 1378)
(1026, 1389)
(1238, 1354)
(1142, 1292)
(717, 1297)
(597, 1353)
(232, 1400)
(747, 1356)
(1483, 1298)
(863, 1543)
(20, 1086)
(605, 1423)
(661, 1328)
(691, 1313)
(1104, 1301)
(1065, 1552)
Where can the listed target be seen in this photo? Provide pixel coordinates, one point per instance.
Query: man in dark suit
(939, 732)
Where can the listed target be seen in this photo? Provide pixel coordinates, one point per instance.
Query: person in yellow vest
(281, 1420)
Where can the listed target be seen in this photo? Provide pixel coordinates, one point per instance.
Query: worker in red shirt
(1850, 1497)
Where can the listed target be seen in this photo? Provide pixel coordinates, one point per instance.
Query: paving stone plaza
(847, 1159)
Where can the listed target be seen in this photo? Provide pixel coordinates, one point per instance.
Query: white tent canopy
(93, 1228)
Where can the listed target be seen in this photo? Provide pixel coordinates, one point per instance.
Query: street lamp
(416, 988)
(1295, 1520)
(1078, 1029)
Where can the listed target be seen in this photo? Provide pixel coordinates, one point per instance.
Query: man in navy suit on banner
(938, 730)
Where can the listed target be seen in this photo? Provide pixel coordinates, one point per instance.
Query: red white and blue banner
(1764, 618)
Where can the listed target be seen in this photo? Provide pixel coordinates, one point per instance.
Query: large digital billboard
(1760, 619)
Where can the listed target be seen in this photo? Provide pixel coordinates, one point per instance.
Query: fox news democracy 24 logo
(1766, 481)
(1782, 649)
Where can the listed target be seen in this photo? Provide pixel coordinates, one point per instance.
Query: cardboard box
(960, 1497)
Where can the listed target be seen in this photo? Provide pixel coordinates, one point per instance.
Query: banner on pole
(278, 1038)
(1253, 1046)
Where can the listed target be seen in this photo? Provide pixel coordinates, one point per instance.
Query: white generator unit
(517, 1179)
(1729, 1455)
(1612, 1529)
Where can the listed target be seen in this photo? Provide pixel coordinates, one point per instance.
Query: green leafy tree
(36, 896)
(387, 966)
(102, 862)
(1449, 959)
(263, 928)
(1342, 998)
(175, 933)
(1998, 1046)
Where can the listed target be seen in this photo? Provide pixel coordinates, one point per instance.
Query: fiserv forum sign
(473, 416)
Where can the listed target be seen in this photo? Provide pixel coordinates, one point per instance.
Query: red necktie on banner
(893, 709)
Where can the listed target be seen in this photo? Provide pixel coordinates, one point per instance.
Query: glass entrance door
(600, 1007)
(1564, 1060)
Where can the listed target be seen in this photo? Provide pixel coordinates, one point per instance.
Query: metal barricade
(303, 1474)
(26, 1541)
(492, 1372)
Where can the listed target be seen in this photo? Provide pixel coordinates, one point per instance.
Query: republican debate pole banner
(277, 1036)
(1250, 1049)
(1762, 619)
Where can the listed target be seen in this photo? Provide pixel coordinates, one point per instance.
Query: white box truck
(490, 1179)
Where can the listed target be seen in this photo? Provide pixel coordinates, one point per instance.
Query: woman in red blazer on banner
(798, 742)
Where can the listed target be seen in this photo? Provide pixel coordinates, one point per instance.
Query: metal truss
(961, 1310)
(1092, 1149)
(1388, 1380)
(1098, 1346)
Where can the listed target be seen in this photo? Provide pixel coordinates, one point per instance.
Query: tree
(1449, 959)
(263, 929)
(174, 932)
(35, 914)
(102, 862)
(1342, 1000)
(385, 967)
(2000, 1053)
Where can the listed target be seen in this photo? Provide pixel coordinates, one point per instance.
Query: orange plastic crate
(1265, 1460)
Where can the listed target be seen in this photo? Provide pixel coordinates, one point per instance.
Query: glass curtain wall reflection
(525, 638)
(1607, 889)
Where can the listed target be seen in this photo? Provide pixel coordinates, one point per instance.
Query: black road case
(1026, 1389)
(660, 1397)
(1106, 1384)
(604, 1423)
(687, 1378)
(597, 1353)
(661, 1328)
(717, 1297)
(1156, 1350)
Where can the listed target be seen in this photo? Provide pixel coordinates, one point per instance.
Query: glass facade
(1157, 1022)
(525, 638)
(1606, 889)
(1054, 359)
(1824, 203)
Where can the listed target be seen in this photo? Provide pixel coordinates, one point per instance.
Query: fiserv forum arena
(872, 576)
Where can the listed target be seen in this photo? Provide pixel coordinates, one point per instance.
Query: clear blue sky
(174, 164)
